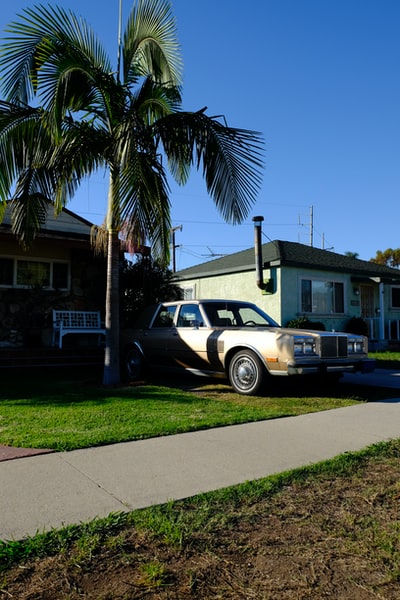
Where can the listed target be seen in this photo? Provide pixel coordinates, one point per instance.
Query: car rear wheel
(133, 363)
(246, 373)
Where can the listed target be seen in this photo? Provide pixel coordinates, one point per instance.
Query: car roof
(201, 300)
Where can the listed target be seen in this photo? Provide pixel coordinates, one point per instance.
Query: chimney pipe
(258, 252)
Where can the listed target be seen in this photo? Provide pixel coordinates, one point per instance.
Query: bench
(67, 322)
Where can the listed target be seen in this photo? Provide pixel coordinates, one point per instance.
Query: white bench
(75, 321)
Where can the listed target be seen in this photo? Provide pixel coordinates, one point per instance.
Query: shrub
(304, 323)
(357, 325)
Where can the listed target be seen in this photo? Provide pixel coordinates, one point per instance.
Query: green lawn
(386, 359)
(73, 412)
(66, 413)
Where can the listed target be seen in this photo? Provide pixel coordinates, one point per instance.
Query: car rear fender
(137, 344)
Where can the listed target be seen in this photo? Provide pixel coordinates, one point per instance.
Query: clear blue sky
(321, 80)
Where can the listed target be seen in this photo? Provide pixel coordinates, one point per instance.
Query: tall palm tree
(68, 112)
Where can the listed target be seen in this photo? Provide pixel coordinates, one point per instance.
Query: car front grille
(334, 346)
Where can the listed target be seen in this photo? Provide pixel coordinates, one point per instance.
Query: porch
(381, 333)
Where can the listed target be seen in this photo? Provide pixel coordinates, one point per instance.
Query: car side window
(220, 316)
(190, 316)
(165, 317)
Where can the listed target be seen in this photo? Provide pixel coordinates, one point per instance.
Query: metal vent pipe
(258, 252)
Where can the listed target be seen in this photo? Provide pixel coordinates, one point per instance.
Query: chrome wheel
(246, 373)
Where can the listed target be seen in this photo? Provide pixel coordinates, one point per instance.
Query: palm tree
(68, 112)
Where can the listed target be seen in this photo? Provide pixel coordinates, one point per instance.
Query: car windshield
(235, 314)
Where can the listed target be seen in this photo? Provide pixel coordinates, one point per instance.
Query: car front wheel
(246, 373)
(133, 362)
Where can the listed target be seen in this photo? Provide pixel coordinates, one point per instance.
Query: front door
(367, 296)
(367, 301)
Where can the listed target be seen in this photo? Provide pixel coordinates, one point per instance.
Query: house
(302, 281)
(59, 270)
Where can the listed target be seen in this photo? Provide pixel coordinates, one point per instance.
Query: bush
(304, 323)
(357, 325)
(142, 283)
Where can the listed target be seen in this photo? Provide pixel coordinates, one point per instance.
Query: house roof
(281, 253)
(65, 225)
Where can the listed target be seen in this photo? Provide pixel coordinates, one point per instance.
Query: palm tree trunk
(111, 357)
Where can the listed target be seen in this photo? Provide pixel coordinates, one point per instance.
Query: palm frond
(28, 215)
(55, 55)
(41, 34)
(231, 159)
(24, 143)
(151, 46)
(152, 101)
(144, 203)
(81, 152)
(34, 166)
(99, 239)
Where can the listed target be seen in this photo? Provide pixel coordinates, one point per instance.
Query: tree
(144, 282)
(68, 112)
(389, 257)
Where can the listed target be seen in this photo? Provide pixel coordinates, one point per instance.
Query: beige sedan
(236, 340)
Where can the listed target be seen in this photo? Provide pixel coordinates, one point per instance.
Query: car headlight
(304, 346)
(355, 346)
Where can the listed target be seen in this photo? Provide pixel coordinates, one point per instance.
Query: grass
(73, 413)
(69, 413)
(177, 523)
(386, 359)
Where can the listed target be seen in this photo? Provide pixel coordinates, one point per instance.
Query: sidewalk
(52, 490)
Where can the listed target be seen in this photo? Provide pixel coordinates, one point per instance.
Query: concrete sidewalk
(49, 491)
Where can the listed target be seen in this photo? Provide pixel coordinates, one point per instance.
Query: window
(323, 297)
(6, 271)
(189, 292)
(31, 273)
(395, 297)
(190, 316)
(60, 276)
(15, 272)
(165, 317)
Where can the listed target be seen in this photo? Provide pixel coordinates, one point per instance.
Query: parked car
(236, 340)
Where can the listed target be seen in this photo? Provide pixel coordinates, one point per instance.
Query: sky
(320, 80)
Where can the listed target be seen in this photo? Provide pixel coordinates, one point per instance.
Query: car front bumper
(361, 366)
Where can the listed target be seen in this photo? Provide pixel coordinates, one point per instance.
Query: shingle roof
(293, 254)
(66, 225)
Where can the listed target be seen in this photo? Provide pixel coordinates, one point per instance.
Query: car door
(159, 337)
(191, 349)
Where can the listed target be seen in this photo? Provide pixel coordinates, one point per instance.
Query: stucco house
(302, 281)
(59, 271)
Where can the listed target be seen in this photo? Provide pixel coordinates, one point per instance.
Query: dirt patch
(11, 453)
(326, 538)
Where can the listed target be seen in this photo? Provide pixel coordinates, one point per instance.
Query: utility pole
(174, 246)
(119, 41)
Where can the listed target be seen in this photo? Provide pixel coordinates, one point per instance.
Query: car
(238, 341)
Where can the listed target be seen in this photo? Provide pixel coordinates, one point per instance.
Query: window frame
(7, 283)
(16, 260)
(189, 291)
(336, 299)
(394, 306)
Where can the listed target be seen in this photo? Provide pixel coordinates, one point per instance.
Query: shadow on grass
(64, 387)
(282, 387)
